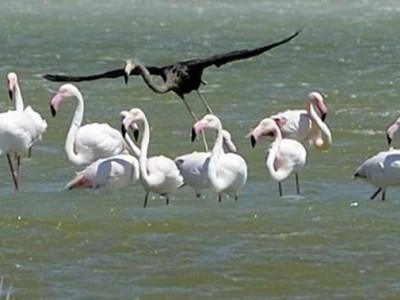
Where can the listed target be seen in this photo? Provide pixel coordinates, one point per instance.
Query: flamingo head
(127, 123)
(317, 100)
(267, 127)
(208, 121)
(129, 66)
(65, 91)
(392, 131)
(12, 81)
(227, 142)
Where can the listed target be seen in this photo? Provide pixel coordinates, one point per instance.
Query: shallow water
(331, 243)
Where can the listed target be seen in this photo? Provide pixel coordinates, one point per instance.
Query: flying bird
(181, 77)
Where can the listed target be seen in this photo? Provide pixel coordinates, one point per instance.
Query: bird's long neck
(319, 129)
(135, 149)
(144, 147)
(19, 101)
(161, 89)
(73, 129)
(216, 153)
(276, 174)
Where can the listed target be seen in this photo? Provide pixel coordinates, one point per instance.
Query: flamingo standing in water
(297, 124)
(193, 165)
(158, 174)
(285, 155)
(227, 172)
(14, 92)
(18, 132)
(85, 144)
(117, 171)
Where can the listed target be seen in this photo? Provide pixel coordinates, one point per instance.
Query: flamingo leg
(167, 200)
(208, 108)
(29, 152)
(219, 198)
(297, 184)
(145, 199)
(280, 188)
(376, 194)
(195, 119)
(18, 170)
(12, 171)
(383, 195)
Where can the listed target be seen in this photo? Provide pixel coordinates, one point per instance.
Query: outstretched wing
(221, 59)
(109, 74)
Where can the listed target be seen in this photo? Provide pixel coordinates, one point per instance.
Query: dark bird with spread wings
(182, 77)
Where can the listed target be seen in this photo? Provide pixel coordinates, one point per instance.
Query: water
(333, 243)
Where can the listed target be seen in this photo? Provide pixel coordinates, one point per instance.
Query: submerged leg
(376, 194)
(12, 171)
(167, 200)
(208, 108)
(219, 198)
(30, 152)
(280, 188)
(297, 184)
(383, 195)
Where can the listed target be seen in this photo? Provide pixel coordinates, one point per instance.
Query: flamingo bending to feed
(14, 92)
(116, 171)
(285, 155)
(381, 170)
(18, 132)
(85, 144)
(158, 174)
(392, 131)
(298, 125)
(227, 172)
(193, 165)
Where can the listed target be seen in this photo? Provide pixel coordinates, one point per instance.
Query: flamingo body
(116, 171)
(87, 143)
(381, 170)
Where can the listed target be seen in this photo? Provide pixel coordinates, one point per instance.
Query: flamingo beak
(126, 77)
(53, 110)
(323, 117)
(193, 136)
(10, 94)
(123, 130)
(389, 139)
(253, 141)
(129, 66)
(136, 134)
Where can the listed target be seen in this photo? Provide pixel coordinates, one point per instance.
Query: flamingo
(85, 144)
(18, 132)
(285, 155)
(193, 165)
(297, 124)
(227, 172)
(381, 170)
(14, 92)
(392, 131)
(117, 171)
(158, 174)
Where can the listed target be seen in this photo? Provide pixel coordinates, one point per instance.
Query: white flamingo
(392, 131)
(381, 170)
(158, 174)
(193, 165)
(18, 132)
(85, 144)
(14, 92)
(227, 172)
(297, 124)
(116, 171)
(285, 155)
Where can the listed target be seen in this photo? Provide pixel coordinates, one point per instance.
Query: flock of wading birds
(112, 157)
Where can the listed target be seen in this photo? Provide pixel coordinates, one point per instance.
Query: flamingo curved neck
(19, 102)
(73, 129)
(161, 89)
(279, 174)
(324, 137)
(135, 149)
(144, 146)
(216, 153)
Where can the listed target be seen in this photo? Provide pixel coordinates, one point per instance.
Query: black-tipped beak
(323, 117)
(136, 134)
(126, 77)
(10, 94)
(193, 136)
(123, 130)
(53, 111)
(253, 141)
(389, 139)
